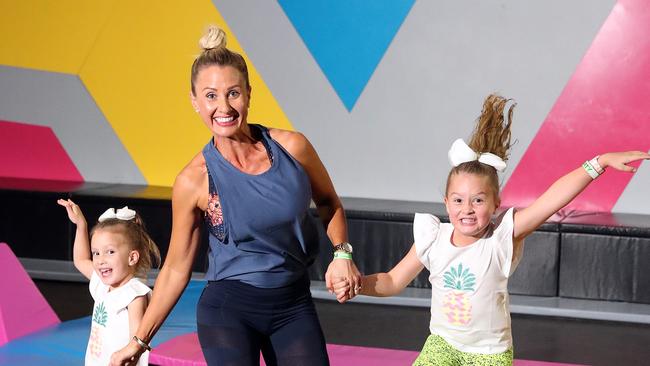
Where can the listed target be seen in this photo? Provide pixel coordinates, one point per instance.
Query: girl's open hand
(74, 212)
(619, 160)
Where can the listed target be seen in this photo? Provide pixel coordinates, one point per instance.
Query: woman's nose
(223, 105)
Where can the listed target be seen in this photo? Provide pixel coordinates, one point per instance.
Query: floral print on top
(214, 213)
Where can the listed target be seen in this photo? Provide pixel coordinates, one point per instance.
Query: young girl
(120, 250)
(471, 258)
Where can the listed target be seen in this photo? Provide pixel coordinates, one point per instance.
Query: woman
(252, 187)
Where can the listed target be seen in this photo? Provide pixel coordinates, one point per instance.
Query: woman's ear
(193, 101)
(134, 257)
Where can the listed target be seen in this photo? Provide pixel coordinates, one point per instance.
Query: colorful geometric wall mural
(379, 88)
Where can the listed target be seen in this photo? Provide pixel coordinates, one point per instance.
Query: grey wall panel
(62, 102)
(428, 88)
(635, 197)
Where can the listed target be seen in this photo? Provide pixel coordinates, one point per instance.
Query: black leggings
(236, 321)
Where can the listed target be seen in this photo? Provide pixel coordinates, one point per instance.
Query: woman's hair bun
(214, 37)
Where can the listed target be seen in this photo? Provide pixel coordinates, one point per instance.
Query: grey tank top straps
(260, 229)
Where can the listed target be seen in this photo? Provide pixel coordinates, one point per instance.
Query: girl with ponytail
(471, 258)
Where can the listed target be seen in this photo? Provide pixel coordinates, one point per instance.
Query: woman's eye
(210, 95)
(233, 94)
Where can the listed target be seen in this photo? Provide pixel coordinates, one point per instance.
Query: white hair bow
(461, 153)
(124, 213)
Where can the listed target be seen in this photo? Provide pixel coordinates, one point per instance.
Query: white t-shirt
(110, 320)
(469, 297)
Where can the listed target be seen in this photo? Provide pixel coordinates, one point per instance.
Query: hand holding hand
(343, 269)
(341, 288)
(127, 356)
(74, 212)
(619, 160)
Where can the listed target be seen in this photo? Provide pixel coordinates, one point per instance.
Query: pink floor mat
(185, 351)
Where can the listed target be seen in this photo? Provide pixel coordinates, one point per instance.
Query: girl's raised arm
(565, 189)
(81, 255)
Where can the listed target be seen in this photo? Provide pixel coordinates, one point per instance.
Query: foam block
(23, 309)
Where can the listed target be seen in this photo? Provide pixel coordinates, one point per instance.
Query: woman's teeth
(224, 119)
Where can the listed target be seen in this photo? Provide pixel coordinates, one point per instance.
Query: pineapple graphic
(100, 317)
(456, 304)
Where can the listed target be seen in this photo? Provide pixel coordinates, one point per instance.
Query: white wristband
(590, 170)
(594, 163)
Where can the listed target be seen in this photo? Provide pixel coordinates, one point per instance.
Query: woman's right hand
(127, 356)
(74, 212)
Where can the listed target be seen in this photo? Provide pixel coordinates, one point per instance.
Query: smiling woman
(251, 187)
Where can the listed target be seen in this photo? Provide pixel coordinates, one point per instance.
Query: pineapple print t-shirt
(469, 297)
(110, 320)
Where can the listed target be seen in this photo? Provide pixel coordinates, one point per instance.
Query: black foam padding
(538, 271)
(603, 267)
(34, 225)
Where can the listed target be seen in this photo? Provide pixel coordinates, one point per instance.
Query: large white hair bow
(124, 213)
(461, 153)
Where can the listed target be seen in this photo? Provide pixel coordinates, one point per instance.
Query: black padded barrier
(598, 256)
(605, 256)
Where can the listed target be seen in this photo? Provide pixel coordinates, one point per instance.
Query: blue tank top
(259, 228)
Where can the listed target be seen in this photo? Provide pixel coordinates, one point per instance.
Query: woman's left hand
(341, 268)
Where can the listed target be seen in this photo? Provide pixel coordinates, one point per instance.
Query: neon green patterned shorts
(437, 352)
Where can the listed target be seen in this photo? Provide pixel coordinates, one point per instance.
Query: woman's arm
(81, 255)
(565, 189)
(176, 271)
(385, 284)
(327, 202)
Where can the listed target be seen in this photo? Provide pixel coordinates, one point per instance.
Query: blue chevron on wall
(347, 38)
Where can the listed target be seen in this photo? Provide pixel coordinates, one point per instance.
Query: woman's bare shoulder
(192, 178)
(293, 141)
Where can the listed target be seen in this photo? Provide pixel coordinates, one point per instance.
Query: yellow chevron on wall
(134, 57)
(50, 35)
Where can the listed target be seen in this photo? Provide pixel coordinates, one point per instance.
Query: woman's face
(470, 204)
(221, 99)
